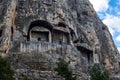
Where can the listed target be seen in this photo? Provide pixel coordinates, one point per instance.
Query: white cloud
(111, 31)
(118, 38)
(100, 5)
(118, 49)
(113, 23)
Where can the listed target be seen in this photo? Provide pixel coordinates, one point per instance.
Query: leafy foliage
(6, 73)
(26, 78)
(97, 72)
(64, 70)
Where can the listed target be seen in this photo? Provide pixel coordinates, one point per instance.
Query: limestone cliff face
(6, 22)
(35, 33)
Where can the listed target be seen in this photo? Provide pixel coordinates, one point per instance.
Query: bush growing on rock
(26, 78)
(64, 70)
(6, 73)
(97, 72)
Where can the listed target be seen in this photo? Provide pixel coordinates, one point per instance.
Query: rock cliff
(34, 34)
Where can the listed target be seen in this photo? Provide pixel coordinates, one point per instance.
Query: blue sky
(109, 13)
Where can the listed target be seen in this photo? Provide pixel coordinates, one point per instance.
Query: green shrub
(64, 70)
(97, 72)
(26, 78)
(6, 73)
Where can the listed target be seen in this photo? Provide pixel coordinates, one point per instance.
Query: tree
(6, 73)
(64, 70)
(97, 72)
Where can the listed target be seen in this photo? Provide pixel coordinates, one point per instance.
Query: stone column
(95, 53)
(50, 37)
(21, 46)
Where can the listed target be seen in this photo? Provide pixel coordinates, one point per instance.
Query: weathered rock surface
(36, 33)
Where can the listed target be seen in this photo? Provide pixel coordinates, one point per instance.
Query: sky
(109, 12)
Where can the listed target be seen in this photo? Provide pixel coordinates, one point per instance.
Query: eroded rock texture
(36, 33)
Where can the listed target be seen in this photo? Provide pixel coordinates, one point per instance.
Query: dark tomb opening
(40, 34)
(61, 24)
(1, 33)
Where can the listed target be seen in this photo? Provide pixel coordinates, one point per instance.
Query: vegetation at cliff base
(97, 72)
(64, 70)
(6, 73)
